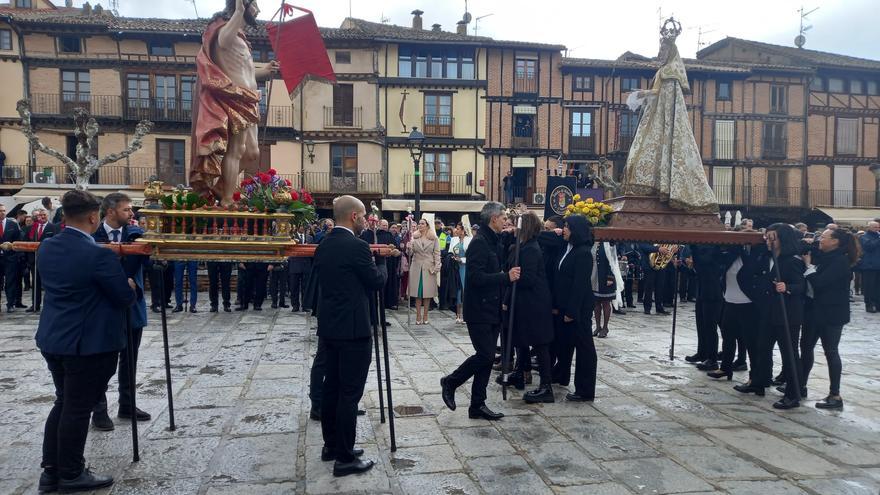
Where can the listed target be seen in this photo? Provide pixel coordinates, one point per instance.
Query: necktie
(40, 232)
(114, 236)
(2, 227)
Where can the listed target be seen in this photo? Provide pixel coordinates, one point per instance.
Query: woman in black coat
(573, 311)
(533, 320)
(828, 276)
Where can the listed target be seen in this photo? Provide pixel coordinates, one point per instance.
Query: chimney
(87, 9)
(98, 9)
(435, 28)
(461, 28)
(68, 4)
(417, 19)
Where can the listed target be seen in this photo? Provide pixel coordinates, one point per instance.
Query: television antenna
(383, 19)
(477, 22)
(114, 7)
(800, 40)
(700, 33)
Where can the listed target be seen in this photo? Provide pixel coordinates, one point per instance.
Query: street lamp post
(875, 169)
(415, 141)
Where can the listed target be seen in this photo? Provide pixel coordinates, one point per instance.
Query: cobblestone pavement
(240, 396)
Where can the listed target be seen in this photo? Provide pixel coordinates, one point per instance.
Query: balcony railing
(343, 117)
(133, 57)
(115, 175)
(439, 184)
(525, 85)
(624, 143)
(524, 141)
(580, 144)
(438, 125)
(277, 116)
(793, 196)
(159, 110)
(324, 182)
(46, 104)
(13, 175)
(774, 149)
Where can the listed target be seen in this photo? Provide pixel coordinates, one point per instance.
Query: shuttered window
(847, 136)
(724, 140)
(843, 185)
(722, 184)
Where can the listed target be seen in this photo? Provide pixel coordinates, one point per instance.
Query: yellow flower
(570, 207)
(594, 220)
(589, 200)
(577, 197)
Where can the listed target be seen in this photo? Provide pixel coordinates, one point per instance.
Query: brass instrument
(660, 261)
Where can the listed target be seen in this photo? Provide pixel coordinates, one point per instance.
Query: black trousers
(762, 372)
(830, 336)
(545, 365)
(257, 277)
(11, 272)
(124, 376)
(278, 280)
(628, 292)
(38, 289)
(479, 366)
(167, 276)
(297, 283)
(219, 280)
(654, 281)
(569, 338)
(870, 288)
(316, 377)
(708, 314)
(738, 326)
(79, 382)
(348, 364)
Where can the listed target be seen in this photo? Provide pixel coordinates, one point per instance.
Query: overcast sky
(593, 29)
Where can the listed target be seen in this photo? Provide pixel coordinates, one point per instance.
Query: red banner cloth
(300, 50)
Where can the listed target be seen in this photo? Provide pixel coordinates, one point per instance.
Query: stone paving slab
(240, 385)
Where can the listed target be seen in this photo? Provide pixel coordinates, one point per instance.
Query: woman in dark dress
(533, 321)
(828, 275)
(604, 289)
(573, 311)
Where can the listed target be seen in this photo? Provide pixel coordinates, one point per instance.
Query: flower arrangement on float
(596, 212)
(269, 192)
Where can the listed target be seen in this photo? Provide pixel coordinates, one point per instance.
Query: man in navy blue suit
(9, 260)
(116, 227)
(80, 335)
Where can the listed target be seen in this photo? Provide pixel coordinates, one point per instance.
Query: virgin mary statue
(664, 160)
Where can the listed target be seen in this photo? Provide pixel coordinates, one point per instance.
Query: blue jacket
(86, 294)
(870, 251)
(134, 267)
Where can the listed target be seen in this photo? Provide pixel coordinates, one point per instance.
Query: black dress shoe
(20, 305)
(740, 367)
(282, 305)
(242, 308)
(10, 309)
(102, 422)
(694, 359)
(258, 308)
(781, 389)
(193, 310)
(778, 380)
(484, 412)
(48, 482)
(708, 365)
(618, 311)
(720, 374)
(141, 415)
(826, 403)
(213, 309)
(576, 397)
(86, 481)
(31, 310)
(156, 309)
(541, 394)
(663, 312)
(448, 393)
(177, 309)
(516, 380)
(274, 305)
(227, 308)
(356, 466)
(748, 388)
(329, 455)
(361, 412)
(315, 414)
(786, 403)
(647, 311)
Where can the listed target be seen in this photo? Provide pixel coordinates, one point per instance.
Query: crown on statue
(670, 30)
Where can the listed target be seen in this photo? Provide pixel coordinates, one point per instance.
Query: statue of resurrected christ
(226, 113)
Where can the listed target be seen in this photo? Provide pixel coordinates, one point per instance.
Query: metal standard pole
(161, 269)
(674, 316)
(787, 349)
(378, 363)
(418, 179)
(382, 321)
(132, 383)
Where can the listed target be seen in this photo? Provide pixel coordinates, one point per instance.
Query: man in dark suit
(116, 228)
(348, 277)
(482, 311)
(9, 260)
(41, 230)
(219, 280)
(654, 280)
(299, 269)
(80, 335)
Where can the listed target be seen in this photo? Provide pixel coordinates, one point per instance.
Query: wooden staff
(508, 344)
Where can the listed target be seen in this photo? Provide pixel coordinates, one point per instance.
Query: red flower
(236, 196)
(294, 196)
(287, 181)
(272, 171)
(264, 178)
(247, 181)
(307, 198)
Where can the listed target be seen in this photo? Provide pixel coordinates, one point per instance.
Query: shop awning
(434, 205)
(857, 217)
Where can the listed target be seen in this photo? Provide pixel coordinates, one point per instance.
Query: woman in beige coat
(424, 265)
